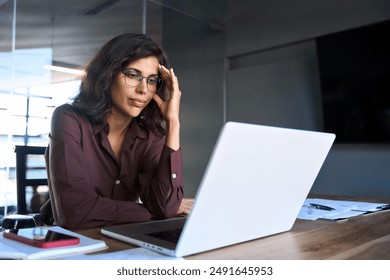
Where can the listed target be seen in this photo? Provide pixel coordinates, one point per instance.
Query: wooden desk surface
(362, 237)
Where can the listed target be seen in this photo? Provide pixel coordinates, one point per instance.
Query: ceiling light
(67, 70)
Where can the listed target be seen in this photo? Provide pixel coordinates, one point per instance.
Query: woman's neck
(118, 124)
(116, 136)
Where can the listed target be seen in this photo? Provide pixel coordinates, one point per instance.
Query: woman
(114, 154)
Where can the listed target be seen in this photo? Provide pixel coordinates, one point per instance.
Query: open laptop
(254, 186)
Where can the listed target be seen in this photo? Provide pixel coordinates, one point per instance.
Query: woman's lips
(137, 102)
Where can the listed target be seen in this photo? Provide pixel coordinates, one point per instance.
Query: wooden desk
(362, 237)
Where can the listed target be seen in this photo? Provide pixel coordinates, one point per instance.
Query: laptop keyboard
(171, 235)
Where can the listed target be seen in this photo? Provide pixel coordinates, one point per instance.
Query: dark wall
(262, 67)
(276, 87)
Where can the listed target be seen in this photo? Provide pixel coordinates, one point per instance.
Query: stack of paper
(11, 249)
(317, 208)
(129, 254)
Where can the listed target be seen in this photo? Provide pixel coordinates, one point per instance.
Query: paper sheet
(343, 209)
(130, 254)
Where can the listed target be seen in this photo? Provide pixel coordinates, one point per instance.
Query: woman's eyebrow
(140, 72)
(135, 70)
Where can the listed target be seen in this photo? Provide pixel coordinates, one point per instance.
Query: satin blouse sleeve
(161, 180)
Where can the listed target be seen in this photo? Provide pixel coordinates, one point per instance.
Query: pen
(322, 207)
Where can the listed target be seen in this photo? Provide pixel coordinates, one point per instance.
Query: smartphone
(41, 237)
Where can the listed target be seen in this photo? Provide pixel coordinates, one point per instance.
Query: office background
(253, 61)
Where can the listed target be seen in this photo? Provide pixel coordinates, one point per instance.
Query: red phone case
(42, 244)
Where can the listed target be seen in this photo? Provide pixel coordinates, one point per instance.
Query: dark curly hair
(94, 98)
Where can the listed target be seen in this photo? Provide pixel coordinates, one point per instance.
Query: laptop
(254, 186)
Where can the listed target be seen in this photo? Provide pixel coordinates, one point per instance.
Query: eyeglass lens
(133, 79)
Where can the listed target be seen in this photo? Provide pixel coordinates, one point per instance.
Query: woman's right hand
(185, 206)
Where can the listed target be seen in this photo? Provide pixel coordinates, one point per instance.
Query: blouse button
(174, 175)
(117, 182)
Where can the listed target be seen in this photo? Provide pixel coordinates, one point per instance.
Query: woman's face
(129, 97)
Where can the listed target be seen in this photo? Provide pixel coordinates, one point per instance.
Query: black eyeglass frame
(159, 82)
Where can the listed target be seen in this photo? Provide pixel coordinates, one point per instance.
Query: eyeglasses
(133, 79)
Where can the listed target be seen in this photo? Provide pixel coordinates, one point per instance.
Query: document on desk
(317, 208)
(11, 249)
(129, 254)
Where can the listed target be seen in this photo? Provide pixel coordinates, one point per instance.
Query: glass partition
(43, 42)
(7, 159)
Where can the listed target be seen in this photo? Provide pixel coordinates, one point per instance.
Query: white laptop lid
(254, 186)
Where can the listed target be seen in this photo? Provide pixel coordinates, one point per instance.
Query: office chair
(22, 180)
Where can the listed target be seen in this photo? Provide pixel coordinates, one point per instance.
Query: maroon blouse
(90, 188)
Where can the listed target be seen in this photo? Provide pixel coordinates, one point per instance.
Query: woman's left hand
(169, 108)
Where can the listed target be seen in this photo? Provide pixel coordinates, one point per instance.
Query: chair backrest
(22, 178)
